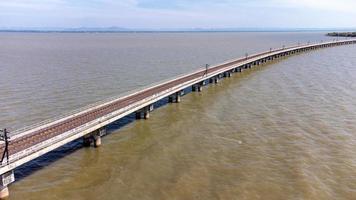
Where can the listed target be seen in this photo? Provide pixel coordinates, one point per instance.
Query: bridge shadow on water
(65, 150)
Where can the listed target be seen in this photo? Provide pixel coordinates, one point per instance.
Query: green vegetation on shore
(344, 34)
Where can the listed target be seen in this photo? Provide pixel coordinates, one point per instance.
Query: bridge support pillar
(174, 98)
(4, 193)
(97, 136)
(178, 99)
(214, 79)
(227, 74)
(144, 113)
(5, 180)
(97, 140)
(197, 87)
(94, 137)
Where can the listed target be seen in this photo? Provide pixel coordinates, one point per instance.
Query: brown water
(286, 130)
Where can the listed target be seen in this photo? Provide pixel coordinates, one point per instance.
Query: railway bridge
(21, 146)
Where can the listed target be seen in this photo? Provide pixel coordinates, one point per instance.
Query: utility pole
(246, 55)
(206, 69)
(5, 138)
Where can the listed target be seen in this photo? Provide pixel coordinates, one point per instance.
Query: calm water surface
(286, 130)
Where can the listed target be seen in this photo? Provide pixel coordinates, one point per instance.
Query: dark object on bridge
(206, 69)
(344, 34)
(5, 138)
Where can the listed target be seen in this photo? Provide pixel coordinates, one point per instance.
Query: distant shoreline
(342, 34)
(202, 31)
(178, 30)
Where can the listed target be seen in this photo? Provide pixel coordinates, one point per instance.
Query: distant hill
(121, 29)
(80, 29)
(94, 29)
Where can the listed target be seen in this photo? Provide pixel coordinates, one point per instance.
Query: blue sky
(178, 13)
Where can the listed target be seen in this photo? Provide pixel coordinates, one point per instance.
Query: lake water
(286, 130)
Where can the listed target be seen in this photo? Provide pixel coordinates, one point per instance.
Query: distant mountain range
(120, 29)
(342, 34)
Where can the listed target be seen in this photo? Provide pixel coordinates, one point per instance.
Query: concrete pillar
(197, 87)
(144, 113)
(227, 74)
(200, 88)
(177, 98)
(97, 140)
(5, 180)
(94, 137)
(174, 98)
(4, 193)
(216, 80)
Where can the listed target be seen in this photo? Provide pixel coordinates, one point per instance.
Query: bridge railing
(96, 104)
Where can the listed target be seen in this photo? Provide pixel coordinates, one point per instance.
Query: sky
(172, 14)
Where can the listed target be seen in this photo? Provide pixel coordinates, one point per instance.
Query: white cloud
(328, 5)
(200, 13)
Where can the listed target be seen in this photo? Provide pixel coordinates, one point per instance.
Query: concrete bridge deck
(30, 143)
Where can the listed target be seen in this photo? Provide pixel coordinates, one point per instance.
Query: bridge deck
(29, 142)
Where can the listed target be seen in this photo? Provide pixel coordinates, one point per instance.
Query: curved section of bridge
(30, 143)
